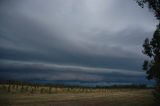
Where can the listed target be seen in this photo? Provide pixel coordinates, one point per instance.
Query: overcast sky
(77, 40)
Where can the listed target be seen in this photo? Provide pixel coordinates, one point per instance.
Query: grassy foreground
(107, 97)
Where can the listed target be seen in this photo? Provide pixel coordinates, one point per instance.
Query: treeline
(125, 86)
(15, 82)
(11, 86)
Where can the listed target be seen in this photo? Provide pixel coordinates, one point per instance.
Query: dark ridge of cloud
(68, 58)
(45, 71)
(39, 65)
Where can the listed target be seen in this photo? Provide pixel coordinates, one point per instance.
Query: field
(55, 96)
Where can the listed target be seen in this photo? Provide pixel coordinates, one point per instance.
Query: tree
(153, 5)
(152, 48)
(152, 67)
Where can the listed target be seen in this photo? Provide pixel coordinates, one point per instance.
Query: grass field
(75, 97)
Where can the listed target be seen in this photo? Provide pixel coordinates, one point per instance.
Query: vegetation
(152, 48)
(29, 94)
(34, 88)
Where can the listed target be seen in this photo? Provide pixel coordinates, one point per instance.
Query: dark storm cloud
(89, 33)
(46, 71)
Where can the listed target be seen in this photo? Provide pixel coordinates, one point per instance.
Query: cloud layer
(54, 72)
(95, 38)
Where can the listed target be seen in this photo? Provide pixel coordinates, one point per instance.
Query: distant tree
(13, 86)
(152, 48)
(32, 90)
(9, 88)
(17, 86)
(41, 90)
(22, 88)
(26, 89)
(50, 90)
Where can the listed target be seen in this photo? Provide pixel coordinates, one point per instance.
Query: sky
(78, 41)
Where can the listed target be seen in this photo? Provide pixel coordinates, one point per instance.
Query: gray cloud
(47, 71)
(103, 34)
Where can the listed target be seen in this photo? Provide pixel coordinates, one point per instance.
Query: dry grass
(108, 97)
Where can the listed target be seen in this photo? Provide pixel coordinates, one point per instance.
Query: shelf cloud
(91, 40)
